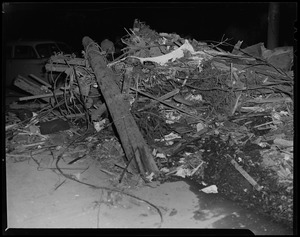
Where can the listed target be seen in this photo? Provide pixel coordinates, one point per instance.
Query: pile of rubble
(168, 107)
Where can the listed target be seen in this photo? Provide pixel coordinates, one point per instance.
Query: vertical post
(273, 25)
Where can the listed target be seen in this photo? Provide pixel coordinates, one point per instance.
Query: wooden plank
(71, 61)
(29, 87)
(56, 67)
(40, 80)
(133, 143)
(41, 96)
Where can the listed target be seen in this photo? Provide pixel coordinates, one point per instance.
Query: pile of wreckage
(169, 107)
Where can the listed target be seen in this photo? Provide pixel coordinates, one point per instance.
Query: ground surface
(35, 200)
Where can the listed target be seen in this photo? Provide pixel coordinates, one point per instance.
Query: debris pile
(179, 108)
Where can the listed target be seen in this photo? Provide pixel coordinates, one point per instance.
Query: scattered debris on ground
(166, 107)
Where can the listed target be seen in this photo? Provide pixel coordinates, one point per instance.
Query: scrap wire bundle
(74, 88)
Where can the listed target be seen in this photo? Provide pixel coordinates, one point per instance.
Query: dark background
(70, 22)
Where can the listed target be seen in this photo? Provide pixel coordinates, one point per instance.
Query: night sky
(70, 22)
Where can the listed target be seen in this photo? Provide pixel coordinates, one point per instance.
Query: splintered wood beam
(135, 147)
(30, 87)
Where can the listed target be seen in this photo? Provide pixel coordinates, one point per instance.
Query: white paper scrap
(182, 172)
(160, 155)
(171, 136)
(210, 189)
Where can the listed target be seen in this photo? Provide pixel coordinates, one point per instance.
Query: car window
(64, 48)
(46, 50)
(24, 51)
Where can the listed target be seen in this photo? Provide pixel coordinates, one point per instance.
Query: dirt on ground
(38, 196)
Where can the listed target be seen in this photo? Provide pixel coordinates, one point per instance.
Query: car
(25, 57)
